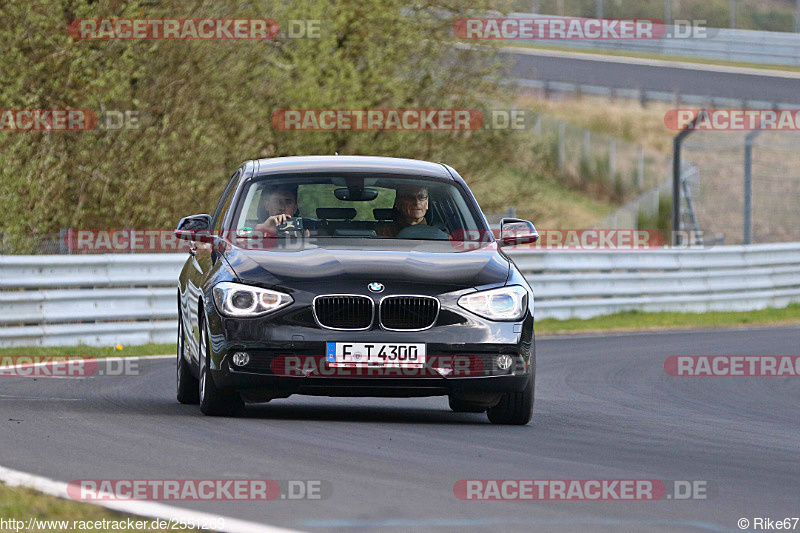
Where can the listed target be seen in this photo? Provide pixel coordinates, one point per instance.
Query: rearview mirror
(514, 231)
(355, 195)
(195, 228)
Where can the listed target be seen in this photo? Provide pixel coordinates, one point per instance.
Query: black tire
(462, 406)
(186, 383)
(214, 402)
(515, 408)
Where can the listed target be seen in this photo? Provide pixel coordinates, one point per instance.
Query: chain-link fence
(602, 165)
(47, 244)
(742, 187)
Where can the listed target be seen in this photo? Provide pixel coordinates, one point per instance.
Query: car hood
(421, 264)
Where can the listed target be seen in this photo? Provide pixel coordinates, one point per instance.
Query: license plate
(375, 354)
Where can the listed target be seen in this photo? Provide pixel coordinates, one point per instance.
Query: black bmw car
(353, 276)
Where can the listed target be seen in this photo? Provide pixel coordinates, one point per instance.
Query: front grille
(409, 312)
(344, 312)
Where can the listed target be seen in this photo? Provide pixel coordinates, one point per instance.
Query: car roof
(349, 163)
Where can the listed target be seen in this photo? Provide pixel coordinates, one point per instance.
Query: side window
(225, 202)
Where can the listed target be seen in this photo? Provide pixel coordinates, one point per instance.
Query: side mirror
(514, 231)
(195, 228)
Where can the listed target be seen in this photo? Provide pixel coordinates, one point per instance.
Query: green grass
(635, 320)
(93, 351)
(645, 55)
(549, 201)
(20, 503)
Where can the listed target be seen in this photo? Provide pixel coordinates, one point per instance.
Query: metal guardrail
(583, 284)
(765, 47)
(98, 300)
(546, 88)
(103, 300)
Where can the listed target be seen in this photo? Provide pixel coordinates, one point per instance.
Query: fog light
(504, 361)
(241, 358)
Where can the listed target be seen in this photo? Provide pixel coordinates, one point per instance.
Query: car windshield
(357, 207)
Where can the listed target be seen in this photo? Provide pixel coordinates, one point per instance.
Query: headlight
(505, 303)
(235, 299)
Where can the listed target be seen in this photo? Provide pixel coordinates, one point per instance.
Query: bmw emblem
(375, 287)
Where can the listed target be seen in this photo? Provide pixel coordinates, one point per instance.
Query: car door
(202, 261)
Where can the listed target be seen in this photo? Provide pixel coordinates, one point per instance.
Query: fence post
(797, 17)
(677, 141)
(62, 242)
(587, 144)
(612, 158)
(640, 166)
(747, 237)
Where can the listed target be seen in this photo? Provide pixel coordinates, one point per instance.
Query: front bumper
(263, 388)
(467, 345)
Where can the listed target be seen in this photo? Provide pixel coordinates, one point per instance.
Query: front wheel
(515, 408)
(214, 402)
(187, 384)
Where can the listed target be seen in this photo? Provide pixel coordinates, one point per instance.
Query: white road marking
(15, 478)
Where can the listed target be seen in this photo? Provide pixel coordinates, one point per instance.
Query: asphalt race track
(605, 409)
(623, 73)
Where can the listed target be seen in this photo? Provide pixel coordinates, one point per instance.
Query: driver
(279, 203)
(410, 208)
